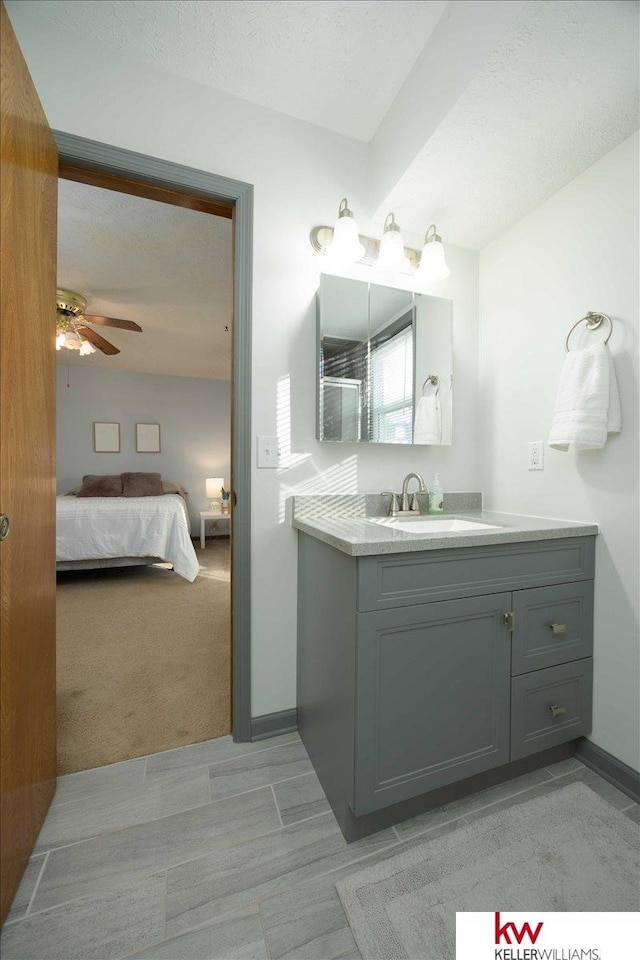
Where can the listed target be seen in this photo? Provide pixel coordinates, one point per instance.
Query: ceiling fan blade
(97, 340)
(112, 322)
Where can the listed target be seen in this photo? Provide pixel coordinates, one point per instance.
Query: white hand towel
(587, 403)
(427, 427)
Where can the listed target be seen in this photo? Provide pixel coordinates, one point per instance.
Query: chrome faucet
(405, 508)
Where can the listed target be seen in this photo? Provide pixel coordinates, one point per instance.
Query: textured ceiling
(165, 267)
(559, 91)
(335, 63)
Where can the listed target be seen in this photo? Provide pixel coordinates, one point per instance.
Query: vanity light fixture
(391, 258)
(345, 247)
(341, 245)
(432, 266)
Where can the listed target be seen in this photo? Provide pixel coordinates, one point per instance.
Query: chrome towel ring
(593, 321)
(434, 380)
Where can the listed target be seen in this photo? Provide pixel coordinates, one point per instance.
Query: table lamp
(214, 487)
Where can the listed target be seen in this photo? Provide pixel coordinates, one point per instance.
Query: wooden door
(28, 181)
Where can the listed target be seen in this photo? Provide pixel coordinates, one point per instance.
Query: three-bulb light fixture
(343, 246)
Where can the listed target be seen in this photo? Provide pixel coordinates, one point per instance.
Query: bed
(119, 531)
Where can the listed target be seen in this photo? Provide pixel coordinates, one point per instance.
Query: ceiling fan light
(433, 266)
(60, 340)
(345, 246)
(86, 349)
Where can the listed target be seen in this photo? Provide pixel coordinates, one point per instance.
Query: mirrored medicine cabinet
(385, 364)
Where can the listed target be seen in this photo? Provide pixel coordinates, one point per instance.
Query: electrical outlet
(268, 453)
(536, 455)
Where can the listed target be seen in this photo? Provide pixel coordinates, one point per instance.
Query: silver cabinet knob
(5, 524)
(557, 711)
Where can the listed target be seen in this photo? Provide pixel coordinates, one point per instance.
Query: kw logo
(519, 935)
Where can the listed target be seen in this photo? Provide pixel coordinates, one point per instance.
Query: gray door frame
(102, 157)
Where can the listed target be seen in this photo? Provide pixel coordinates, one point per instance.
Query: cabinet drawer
(399, 580)
(552, 625)
(550, 706)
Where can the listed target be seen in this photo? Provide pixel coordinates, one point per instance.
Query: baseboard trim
(619, 774)
(274, 724)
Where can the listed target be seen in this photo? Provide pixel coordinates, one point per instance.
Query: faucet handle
(415, 505)
(393, 507)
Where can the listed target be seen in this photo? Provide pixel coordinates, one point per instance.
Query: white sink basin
(425, 525)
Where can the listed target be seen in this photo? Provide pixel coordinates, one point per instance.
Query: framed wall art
(147, 437)
(106, 437)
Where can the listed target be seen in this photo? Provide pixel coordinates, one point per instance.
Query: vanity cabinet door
(432, 697)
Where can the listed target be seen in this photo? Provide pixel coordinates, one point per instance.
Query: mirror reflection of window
(392, 383)
(377, 346)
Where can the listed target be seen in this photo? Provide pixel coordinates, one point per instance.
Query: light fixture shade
(432, 265)
(391, 258)
(345, 246)
(214, 487)
(86, 349)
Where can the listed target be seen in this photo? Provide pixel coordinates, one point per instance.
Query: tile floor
(216, 851)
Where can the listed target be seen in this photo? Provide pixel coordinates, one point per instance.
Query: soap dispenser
(436, 496)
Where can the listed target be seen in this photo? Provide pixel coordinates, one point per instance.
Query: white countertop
(358, 537)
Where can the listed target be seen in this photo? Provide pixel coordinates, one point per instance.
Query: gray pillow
(101, 486)
(142, 485)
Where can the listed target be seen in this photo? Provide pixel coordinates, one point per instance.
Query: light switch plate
(268, 454)
(536, 455)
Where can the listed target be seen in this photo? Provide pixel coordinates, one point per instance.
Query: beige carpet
(144, 660)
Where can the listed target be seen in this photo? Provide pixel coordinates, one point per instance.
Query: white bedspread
(95, 528)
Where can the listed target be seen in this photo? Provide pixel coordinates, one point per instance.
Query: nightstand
(221, 522)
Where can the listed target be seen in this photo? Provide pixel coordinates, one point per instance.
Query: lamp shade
(392, 258)
(345, 247)
(214, 487)
(432, 265)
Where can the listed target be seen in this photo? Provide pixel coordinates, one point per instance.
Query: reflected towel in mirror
(427, 426)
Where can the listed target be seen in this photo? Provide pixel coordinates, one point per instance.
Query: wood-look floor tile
(633, 812)
(115, 778)
(570, 765)
(300, 798)
(144, 802)
(616, 798)
(102, 927)
(236, 937)
(458, 808)
(255, 869)
(25, 890)
(208, 752)
(107, 862)
(258, 770)
(307, 922)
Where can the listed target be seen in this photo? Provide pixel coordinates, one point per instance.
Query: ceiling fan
(72, 331)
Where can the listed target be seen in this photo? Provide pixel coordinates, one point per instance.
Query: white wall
(194, 417)
(574, 253)
(300, 173)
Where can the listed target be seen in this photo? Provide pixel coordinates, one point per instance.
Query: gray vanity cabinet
(432, 701)
(419, 670)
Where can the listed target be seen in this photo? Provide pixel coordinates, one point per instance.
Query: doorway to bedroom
(143, 437)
